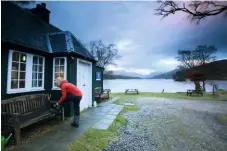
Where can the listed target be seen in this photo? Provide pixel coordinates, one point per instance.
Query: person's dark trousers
(76, 104)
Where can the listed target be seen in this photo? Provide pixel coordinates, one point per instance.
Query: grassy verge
(95, 139)
(222, 118)
(207, 96)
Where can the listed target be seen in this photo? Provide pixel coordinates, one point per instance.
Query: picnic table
(131, 91)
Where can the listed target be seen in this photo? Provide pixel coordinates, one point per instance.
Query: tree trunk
(204, 89)
(213, 90)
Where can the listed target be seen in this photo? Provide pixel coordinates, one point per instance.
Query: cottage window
(59, 69)
(37, 72)
(18, 70)
(25, 72)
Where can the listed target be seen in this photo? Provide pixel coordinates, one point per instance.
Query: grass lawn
(95, 139)
(207, 96)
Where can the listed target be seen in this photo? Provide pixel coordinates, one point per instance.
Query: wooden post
(17, 135)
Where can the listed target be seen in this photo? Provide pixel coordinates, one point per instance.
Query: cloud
(168, 61)
(135, 70)
(144, 40)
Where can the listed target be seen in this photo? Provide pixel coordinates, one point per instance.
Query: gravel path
(173, 125)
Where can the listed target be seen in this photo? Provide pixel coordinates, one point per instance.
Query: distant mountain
(127, 74)
(121, 74)
(153, 74)
(109, 76)
(167, 75)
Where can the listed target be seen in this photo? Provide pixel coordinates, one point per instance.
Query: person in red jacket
(72, 93)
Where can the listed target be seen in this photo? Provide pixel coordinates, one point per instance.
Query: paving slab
(106, 121)
(101, 126)
(109, 116)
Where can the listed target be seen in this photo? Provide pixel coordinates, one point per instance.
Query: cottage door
(84, 82)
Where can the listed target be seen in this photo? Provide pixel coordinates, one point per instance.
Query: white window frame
(28, 74)
(65, 72)
(37, 88)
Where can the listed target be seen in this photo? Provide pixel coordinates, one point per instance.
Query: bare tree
(201, 55)
(104, 54)
(196, 10)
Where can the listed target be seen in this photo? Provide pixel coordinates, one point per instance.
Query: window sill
(23, 91)
(55, 89)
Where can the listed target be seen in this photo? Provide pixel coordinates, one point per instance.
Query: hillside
(216, 70)
(108, 76)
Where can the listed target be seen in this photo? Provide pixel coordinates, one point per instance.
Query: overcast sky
(145, 42)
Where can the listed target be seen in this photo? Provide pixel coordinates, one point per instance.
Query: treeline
(216, 70)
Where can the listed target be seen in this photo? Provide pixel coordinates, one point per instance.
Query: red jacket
(67, 88)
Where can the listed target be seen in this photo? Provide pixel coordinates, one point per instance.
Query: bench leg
(17, 135)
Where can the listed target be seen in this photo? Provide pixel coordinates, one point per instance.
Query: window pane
(40, 60)
(34, 75)
(57, 69)
(22, 75)
(40, 83)
(23, 58)
(57, 75)
(62, 69)
(15, 56)
(57, 61)
(35, 68)
(22, 66)
(62, 61)
(40, 76)
(15, 66)
(55, 83)
(35, 60)
(34, 83)
(14, 75)
(22, 84)
(40, 68)
(14, 84)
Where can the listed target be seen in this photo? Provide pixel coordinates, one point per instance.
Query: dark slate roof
(20, 26)
(58, 42)
(79, 48)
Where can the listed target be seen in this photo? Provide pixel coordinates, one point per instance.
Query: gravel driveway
(173, 125)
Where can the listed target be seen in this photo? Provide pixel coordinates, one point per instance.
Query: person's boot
(75, 122)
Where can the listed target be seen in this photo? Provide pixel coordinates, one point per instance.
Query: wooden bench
(101, 94)
(131, 91)
(23, 111)
(190, 92)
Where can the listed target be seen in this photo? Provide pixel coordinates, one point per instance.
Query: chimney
(42, 12)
